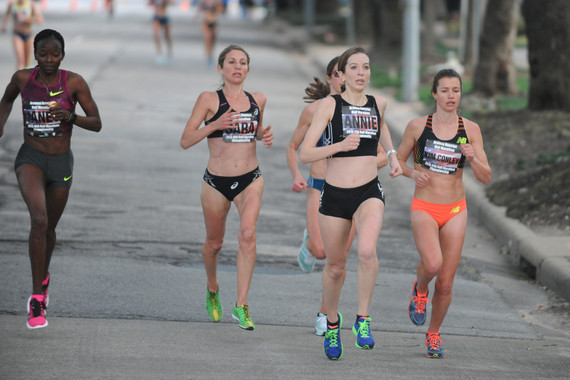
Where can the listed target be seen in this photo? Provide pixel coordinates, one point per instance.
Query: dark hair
(343, 60)
(319, 89)
(226, 51)
(49, 33)
(445, 73)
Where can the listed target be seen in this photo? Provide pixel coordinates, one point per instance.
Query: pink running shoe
(36, 307)
(45, 286)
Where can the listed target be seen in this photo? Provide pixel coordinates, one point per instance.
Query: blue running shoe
(417, 306)
(434, 346)
(305, 258)
(333, 345)
(361, 329)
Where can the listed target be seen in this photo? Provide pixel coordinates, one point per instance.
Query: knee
(335, 271)
(213, 246)
(39, 224)
(367, 254)
(443, 287)
(247, 236)
(431, 268)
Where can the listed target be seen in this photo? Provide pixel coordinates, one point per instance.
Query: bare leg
(20, 51)
(335, 233)
(215, 207)
(368, 219)
(248, 203)
(452, 235)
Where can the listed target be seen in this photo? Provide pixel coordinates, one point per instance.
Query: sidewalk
(545, 256)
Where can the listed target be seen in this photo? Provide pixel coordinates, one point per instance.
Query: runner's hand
(227, 121)
(350, 142)
(267, 137)
(299, 184)
(421, 178)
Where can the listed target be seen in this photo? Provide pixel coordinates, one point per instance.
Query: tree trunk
(548, 34)
(387, 35)
(495, 71)
(326, 6)
(365, 19)
(429, 10)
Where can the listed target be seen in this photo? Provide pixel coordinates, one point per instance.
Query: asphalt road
(127, 293)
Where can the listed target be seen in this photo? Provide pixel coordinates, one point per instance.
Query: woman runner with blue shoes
(352, 192)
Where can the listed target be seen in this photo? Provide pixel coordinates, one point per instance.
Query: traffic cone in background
(185, 6)
(73, 5)
(94, 5)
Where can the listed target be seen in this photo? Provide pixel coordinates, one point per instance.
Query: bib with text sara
(245, 131)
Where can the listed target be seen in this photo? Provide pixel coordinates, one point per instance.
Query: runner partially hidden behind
(233, 121)
(441, 144)
(44, 164)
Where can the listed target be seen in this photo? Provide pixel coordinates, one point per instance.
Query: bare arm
(263, 134)
(323, 115)
(407, 145)
(381, 158)
(203, 108)
(10, 94)
(37, 13)
(299, 183)
(475, 153)
(386, 139)
(80, 90)
(6, 17)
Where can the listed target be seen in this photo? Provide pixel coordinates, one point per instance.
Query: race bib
(38, 121)
(441, 157)
(245, 131)
(361, 120)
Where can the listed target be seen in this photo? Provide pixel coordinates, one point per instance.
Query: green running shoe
(213, 305)
(241, 314)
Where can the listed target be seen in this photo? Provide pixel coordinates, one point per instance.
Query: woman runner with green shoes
(233, 121)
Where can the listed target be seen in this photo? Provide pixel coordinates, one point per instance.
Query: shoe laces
(420, 300)
(364, 327)
(245, 311)
(37, 307)
(433, 341)
(332, 336)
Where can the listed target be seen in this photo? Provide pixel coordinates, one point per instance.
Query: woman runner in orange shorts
(441, 144)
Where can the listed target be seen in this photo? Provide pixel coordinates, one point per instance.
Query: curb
(545, 259)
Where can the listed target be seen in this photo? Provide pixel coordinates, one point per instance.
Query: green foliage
(383, 76)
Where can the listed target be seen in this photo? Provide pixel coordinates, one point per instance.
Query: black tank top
(440, 156)
(247, 126)
(349, 119)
